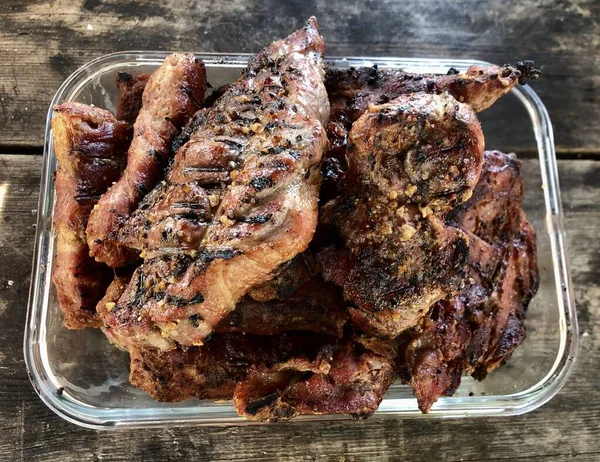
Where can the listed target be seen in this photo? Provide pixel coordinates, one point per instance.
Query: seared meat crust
(213, 370)
(351, 91)
(476, 331)
(341, 378)
(90, 146)
(239, 200)
(131, 89)
(172, 95)
(408, 161)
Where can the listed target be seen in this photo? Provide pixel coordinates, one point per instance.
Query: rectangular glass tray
(85, 380)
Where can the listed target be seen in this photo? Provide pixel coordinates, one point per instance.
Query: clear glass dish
(84, 379)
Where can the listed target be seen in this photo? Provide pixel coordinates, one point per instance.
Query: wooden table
(41, 43)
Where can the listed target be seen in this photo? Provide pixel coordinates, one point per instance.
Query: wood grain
(41, 43)
(564, 429)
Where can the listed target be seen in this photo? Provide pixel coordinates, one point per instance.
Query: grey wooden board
(565, 428)
(41, 43)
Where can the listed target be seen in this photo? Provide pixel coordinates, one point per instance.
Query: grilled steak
(172, 95)
(495, 214)
(351, 91)
(91, 147)
(408, 161)
(478, 329)
(239, 200)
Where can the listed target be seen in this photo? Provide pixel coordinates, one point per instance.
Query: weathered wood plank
(41, 43)
(565, 428)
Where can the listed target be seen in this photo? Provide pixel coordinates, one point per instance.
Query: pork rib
(91, 147)
(239, 200)
(171, 96)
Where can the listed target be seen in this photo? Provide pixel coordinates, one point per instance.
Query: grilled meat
(494, 210)
(239, 199)
(351, 91)
(131, 89)
(494, 213)
(432, 361)
(408, 161)
(287, 278)
(90, 146)
(478, 329)
(172, 95)
(213, 370)
(314, 307)
(341, 378)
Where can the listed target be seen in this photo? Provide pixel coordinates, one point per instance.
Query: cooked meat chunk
(500, 321)
(91, 147)
(114, 291)
(288, 277)
(314, 307)
(420, 148)
(478, 329)
(213, 370)
(494, 210)
(408, 160)
(432, 361)
(495, 214)
(172, 95)
(205, 245)
(351, 91)
(341, 378)
(131, 88)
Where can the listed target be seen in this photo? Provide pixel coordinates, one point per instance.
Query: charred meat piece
(314, 307)
(239, 200)
(288, 277)
(500, 321)
(432, 361)
(408, 161)
(351, 91)
(91, 147)
(478, 329)
(495, 214)
(494, 211)
(172, 95)
(131, 88)
(342, 378)
(213, 370)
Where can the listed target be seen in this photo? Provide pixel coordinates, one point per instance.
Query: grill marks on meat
(239, 199)
(171, 96)
(341, 378)
(90, 146)
(352, 91)
(408, 161)
(495, 214)
(476, 331)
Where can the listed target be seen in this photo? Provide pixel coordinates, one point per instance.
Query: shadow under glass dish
(84, 379)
